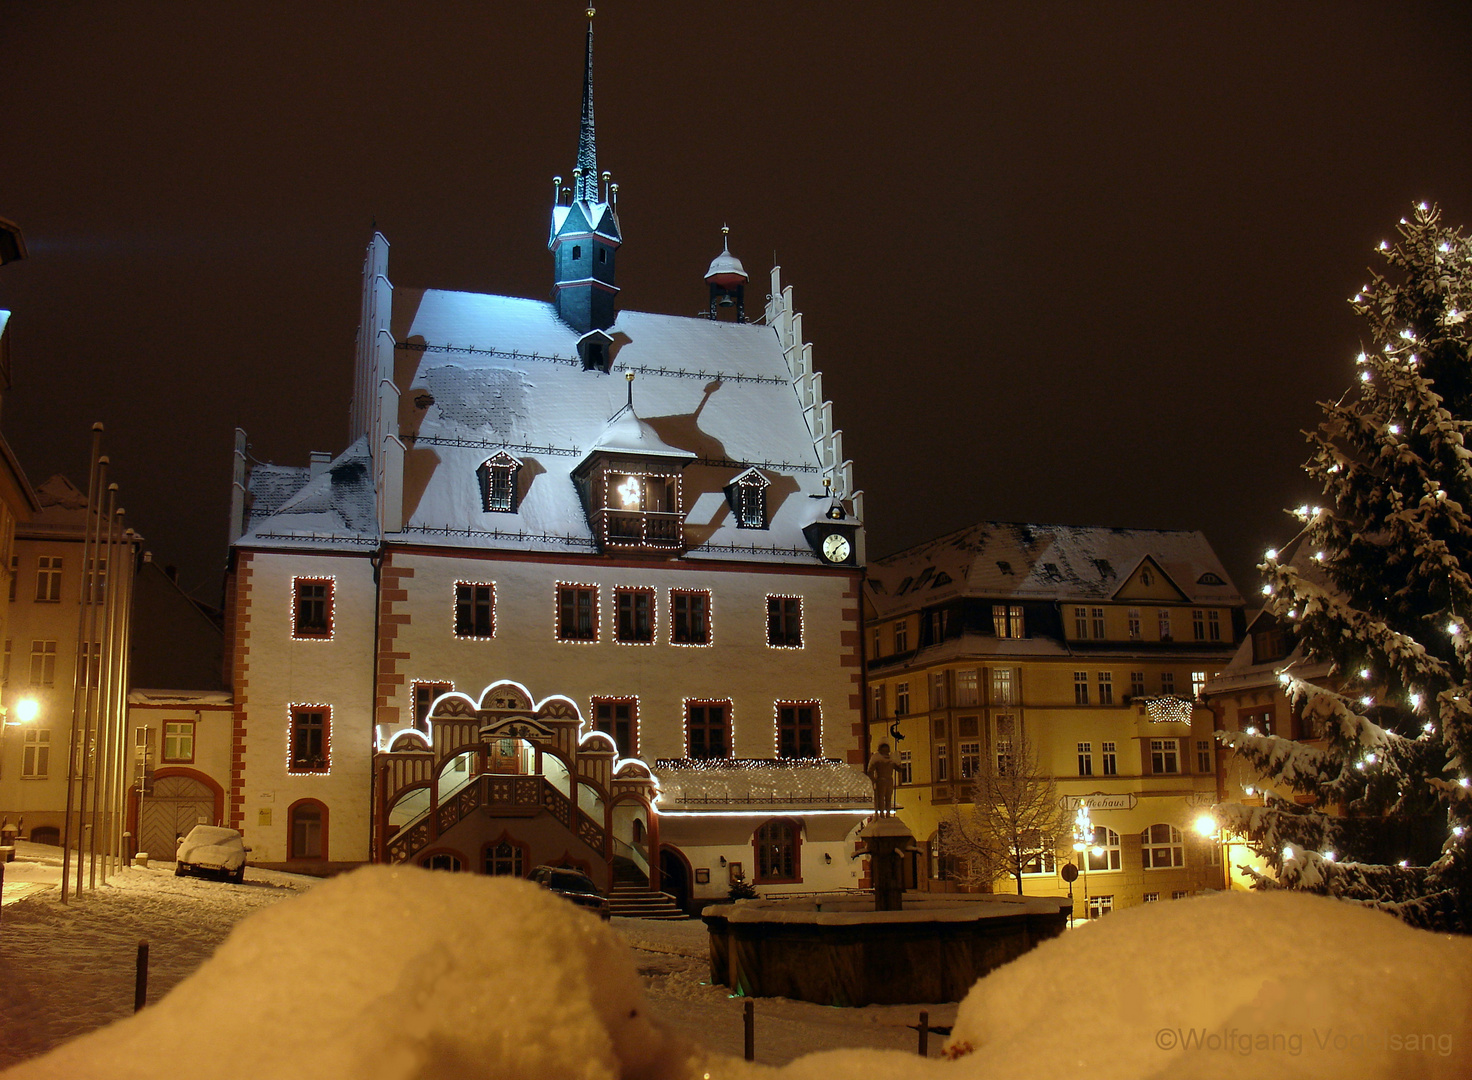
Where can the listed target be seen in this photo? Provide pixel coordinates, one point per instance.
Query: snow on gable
(484, 374)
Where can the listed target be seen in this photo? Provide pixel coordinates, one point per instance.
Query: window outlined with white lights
(498, 476)
(708, 728)
(784, 622)
(423, 693)
(641, 509)
(312, 608)
(799, 729)
(689, 617)
(475, 610)
(747, 495)
(309, 738)
(618, 717)
(576, 612)
(633, 615)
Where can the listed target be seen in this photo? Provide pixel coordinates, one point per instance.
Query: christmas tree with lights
(1380, 591)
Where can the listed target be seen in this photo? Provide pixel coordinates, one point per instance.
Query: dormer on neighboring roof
(585, 235)
(630, 486)
(747, 495)
(595, 349)
(727, 280)
(1148, 581)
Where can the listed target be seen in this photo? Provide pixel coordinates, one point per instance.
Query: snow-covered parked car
(211, 851)
(573, 885)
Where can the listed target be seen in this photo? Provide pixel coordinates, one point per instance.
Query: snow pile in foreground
(1266, 984)
(391, 974)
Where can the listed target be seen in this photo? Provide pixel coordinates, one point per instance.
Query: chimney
(320, 460)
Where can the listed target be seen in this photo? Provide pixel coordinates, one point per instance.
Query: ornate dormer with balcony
(630, 486)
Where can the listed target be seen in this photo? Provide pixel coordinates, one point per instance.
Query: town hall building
(582, 590)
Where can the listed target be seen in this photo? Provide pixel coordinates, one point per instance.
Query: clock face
(835, 547)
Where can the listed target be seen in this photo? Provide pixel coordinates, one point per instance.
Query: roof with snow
(800, 783)
(1044, 562)
(480, 374)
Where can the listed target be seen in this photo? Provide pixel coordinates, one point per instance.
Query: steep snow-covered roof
(1044, 562)
(291, 505)
(479, 374)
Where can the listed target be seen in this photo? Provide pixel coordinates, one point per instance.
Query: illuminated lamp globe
(26, 710)
(1206, 825)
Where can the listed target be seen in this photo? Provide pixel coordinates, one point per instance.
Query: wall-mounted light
(723, 860)
(827, 859)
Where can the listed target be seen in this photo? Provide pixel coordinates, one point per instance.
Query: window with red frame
(784, 622)
(634, 610)
(689, 617)
(424, 695)
(619, 717)
(577, 613)
(312, 608)
(777, 844)
(309, 734)
(797, 730)
(707, 729)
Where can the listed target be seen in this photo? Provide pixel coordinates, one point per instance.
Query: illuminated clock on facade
(836, 548)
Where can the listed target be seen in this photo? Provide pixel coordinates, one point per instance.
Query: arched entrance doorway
(174, 806)
(674, 878)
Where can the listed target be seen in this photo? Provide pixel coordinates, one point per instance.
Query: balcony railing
(642, 528)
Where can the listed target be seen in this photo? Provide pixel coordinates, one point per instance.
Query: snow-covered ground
(397, 973)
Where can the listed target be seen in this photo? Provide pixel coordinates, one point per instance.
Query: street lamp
(1207, 827)
(26, 710)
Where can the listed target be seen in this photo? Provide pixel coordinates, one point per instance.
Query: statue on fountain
(881, 770)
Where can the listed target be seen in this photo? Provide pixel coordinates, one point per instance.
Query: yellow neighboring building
(1093, 644)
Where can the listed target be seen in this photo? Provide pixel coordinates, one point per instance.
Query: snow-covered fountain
(848, 949)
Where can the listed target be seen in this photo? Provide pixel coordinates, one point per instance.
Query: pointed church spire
(587, 184)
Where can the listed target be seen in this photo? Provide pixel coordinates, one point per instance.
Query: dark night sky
(1066, 262)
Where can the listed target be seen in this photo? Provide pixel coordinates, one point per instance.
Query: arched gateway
(508, 771)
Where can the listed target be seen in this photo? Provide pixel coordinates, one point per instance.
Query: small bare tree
(1015, 822)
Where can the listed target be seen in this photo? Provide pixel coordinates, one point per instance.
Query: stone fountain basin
(837, 950)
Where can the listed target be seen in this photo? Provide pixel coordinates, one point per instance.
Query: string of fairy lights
(1373, 738)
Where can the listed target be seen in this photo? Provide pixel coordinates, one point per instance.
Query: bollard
(924, 1034)
(750, 1021)
(140, 978)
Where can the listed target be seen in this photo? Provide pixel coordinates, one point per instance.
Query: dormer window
(595, 349)
(747, 495)
(498, 483)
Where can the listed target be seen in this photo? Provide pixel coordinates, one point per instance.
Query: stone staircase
(633, 901)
